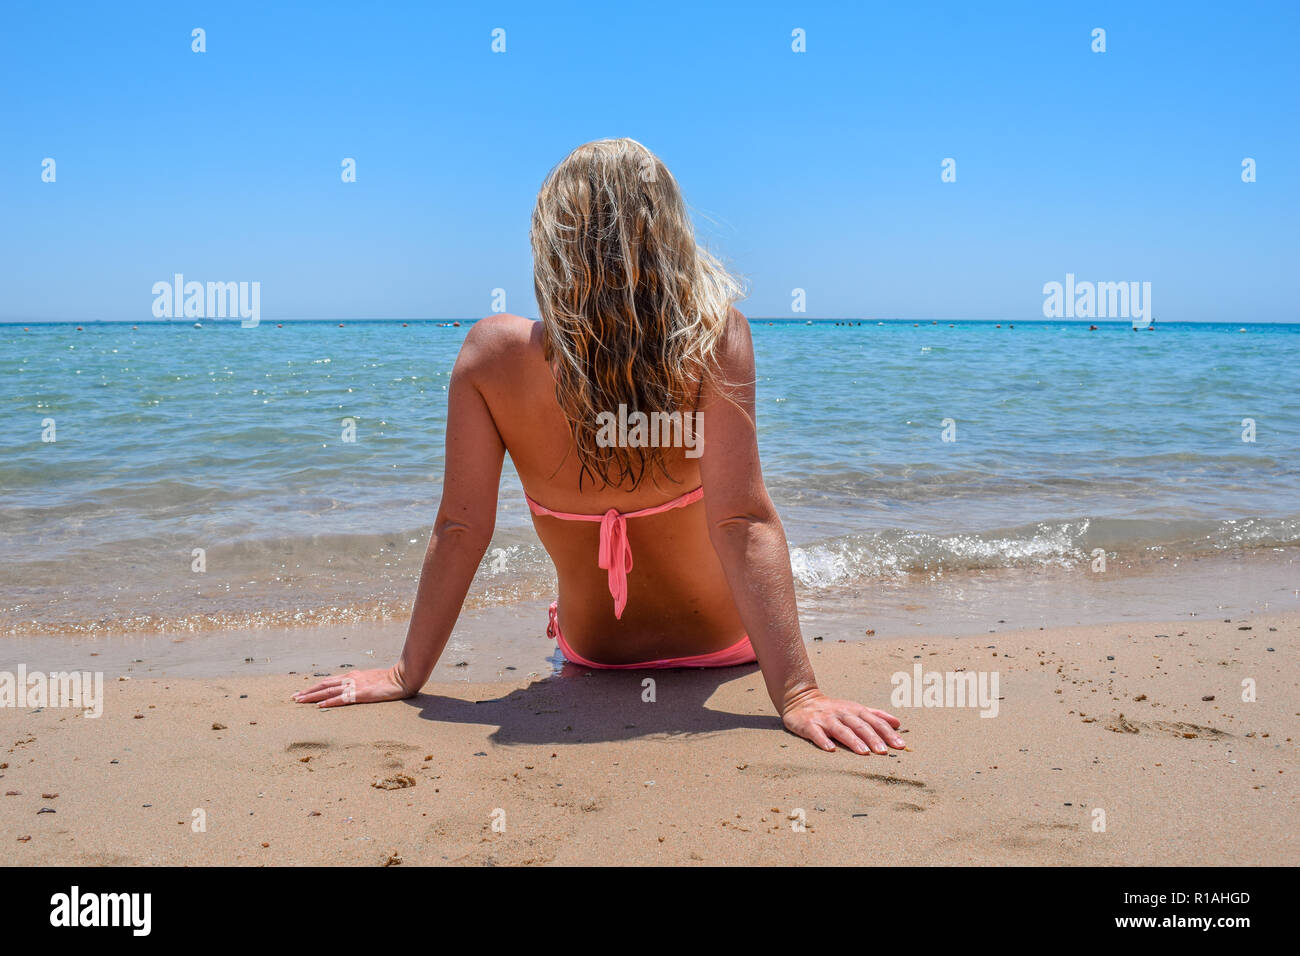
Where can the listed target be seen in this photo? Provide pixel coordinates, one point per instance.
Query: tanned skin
(705, 575)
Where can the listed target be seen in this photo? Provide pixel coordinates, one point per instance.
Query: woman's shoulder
(501, 342)
(736, 346)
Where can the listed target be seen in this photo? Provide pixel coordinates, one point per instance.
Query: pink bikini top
(615, 553)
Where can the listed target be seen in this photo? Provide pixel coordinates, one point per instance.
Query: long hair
(632, 309)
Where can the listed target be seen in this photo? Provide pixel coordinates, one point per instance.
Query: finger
(329, 681)
(846, 735)
(887, 718)
(311, 697)
(338, 699)
(881, 726)
(869, 734)
(320, 685)
(818, 736)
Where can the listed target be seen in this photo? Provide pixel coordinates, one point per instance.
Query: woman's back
(678, 602)
(637, 324)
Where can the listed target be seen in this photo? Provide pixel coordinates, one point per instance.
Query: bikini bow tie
(615, 555)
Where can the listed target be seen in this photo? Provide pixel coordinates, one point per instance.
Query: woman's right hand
(356, 687)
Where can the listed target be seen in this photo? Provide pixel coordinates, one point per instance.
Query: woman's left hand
(824, 720)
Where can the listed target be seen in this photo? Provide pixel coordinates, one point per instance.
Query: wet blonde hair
(632, 309)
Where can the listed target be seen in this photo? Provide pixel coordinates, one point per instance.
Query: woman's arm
(750, 542)
(461, 534)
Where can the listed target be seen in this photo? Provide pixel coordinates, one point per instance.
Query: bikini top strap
(614, 553)
(680, 502)
(540, 509)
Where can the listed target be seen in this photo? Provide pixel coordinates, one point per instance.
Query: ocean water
(169, 438)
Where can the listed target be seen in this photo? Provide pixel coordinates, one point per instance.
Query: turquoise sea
(1180, 441)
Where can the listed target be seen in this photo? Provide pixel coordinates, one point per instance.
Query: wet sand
(1143, 722)
(507, 641)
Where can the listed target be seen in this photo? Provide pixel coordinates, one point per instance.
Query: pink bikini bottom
(742, 652)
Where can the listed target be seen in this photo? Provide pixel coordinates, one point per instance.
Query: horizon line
(749, 318)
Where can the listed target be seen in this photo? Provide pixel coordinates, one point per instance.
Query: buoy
(198, 325)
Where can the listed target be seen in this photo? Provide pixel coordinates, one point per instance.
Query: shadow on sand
(583, 706)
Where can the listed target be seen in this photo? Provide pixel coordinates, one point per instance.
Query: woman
(635, 319)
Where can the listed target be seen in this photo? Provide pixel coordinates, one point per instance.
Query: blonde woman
(635, 318)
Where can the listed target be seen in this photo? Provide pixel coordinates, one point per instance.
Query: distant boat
(1142, 324)
(198, 325)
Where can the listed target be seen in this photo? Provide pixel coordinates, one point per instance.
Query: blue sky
(818, 170)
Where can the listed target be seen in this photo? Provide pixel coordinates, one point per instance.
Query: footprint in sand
(909, 807)
(895, 781)
(1175, 728)
(308, 746)
(398, 781)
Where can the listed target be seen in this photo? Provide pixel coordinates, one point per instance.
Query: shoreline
(500, 642)
(580, 769)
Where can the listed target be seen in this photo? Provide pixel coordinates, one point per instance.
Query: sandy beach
(1113, 744)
